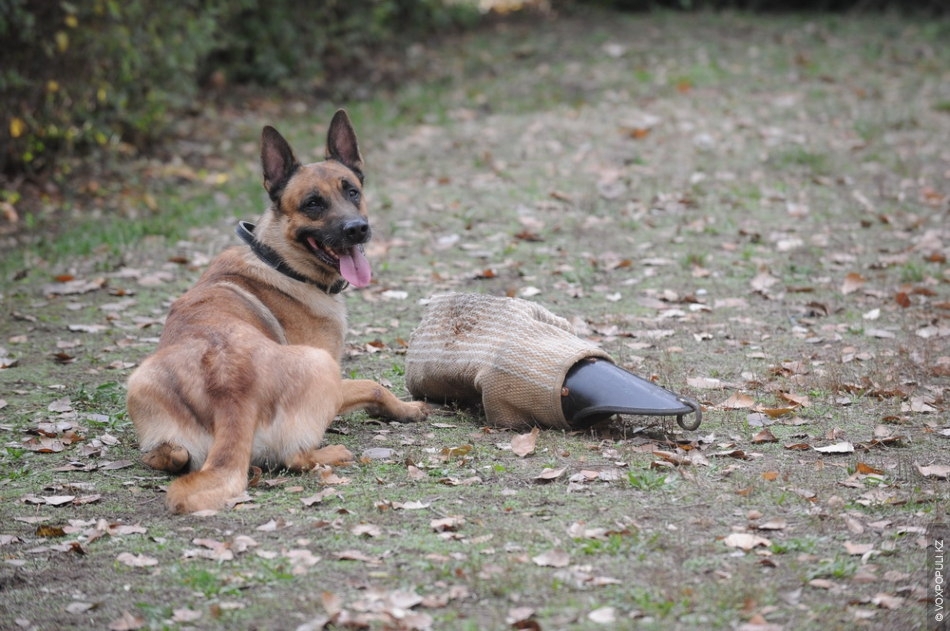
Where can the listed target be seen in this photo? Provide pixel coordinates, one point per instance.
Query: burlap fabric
(511, 355)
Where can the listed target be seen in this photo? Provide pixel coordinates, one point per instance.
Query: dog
(247, 370)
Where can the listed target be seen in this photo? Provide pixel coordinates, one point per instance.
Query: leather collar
(245, 230)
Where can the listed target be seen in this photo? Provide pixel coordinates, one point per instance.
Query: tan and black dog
(247, 369)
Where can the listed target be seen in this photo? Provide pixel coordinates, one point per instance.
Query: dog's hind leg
(170, 437)
(364, 394)
(223, 475)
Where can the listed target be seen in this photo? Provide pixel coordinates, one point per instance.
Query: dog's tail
(224, 473)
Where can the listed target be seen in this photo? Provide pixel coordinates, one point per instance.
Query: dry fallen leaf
(857, 549)
(185, 615)
(604, 615)
(366, 530)
(136, 560)
(852, 282)
(552, 558)
(886, 601)
(866, 469)
(524, 444)
(938, 471)
(127, 622)
(455, 452)
(838, 448)
(547, 474)
(796, 399)
(705, 383)
(355, 555)
(319, 497)
(745, 541)
(519, 615)
(763, 281)
(776, 412)
(447, 524)
(772, 524)
(737, 402)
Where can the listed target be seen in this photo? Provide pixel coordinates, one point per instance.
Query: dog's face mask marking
(321, 205)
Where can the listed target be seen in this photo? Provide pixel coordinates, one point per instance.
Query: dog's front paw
(334, 455)
(414, 412)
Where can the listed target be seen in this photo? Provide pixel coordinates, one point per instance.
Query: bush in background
(92, 73)
(95, 73)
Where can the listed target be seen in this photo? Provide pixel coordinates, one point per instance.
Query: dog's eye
(352, 192)
(314, 204)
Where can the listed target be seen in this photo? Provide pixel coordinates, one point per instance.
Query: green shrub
(278, 43)
(94, 73)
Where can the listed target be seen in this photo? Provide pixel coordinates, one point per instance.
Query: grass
(505, 134)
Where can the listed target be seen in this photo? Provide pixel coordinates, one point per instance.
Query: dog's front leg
(364, 394)
(332, 455)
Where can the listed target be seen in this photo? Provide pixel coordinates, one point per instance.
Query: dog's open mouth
(351, 262)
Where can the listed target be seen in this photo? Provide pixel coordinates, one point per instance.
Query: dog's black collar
(245, 230)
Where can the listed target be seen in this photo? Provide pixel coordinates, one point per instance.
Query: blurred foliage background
(94, 73)
(99, 74)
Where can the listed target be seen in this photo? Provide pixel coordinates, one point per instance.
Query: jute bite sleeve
(509, 354)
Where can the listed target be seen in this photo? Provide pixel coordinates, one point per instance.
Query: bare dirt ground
(754, 211)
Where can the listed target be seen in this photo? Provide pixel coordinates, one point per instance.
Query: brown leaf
(866, 469)
(455, 452)
(318, 497)
(764, 436)
(857, 549)
(527, 235)
(705, 383)
(185, 615)
(524, 444)
(737, 402)
(447, 524)
(671, 457)
(136, 560)
(50, 531)
(886, 601)
(734, 453)
(776, 412)
(746, 541)
(332, 603)
(938, 471)
(356, 555)
(852, 282)
(256, 473)
(796, 399)
(763, 281)
(520, 615)
(366, 530)
(58, 500)
(552, 558)
(127, 622)
(547, 474)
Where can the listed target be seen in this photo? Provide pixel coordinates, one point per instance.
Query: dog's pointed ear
(341, 143)
(277, 161)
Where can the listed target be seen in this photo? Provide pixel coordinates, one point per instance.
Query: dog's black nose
(356, 230)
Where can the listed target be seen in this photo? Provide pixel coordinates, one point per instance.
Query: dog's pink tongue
(354, 267)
